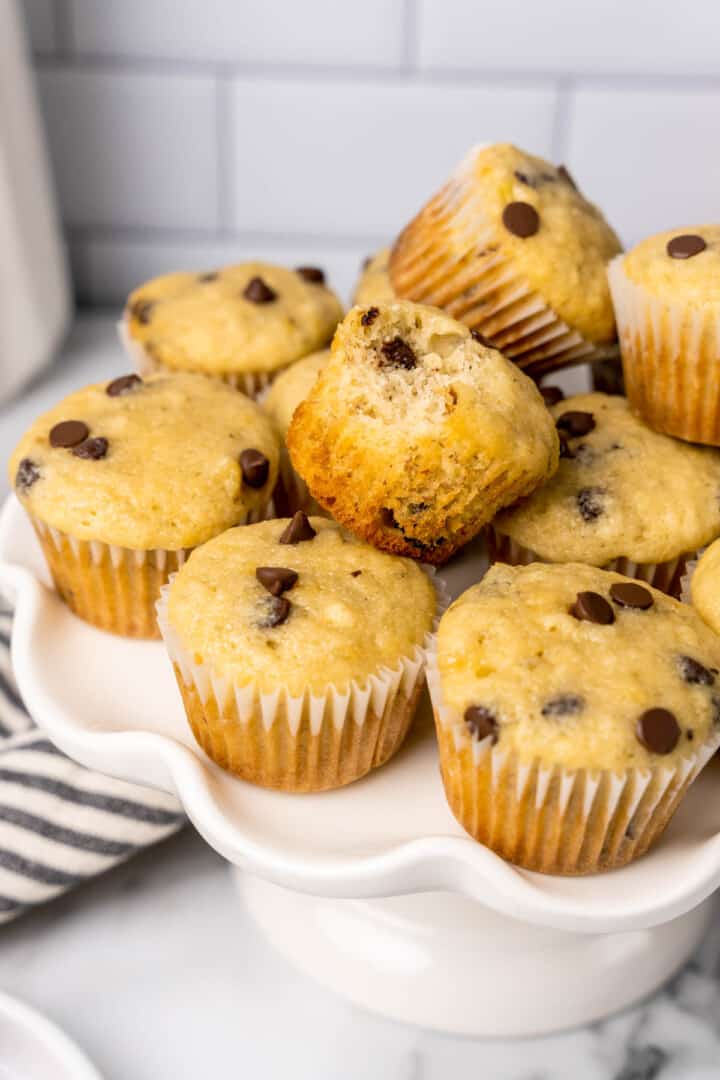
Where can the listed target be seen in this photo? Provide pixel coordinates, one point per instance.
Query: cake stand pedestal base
(443, 961)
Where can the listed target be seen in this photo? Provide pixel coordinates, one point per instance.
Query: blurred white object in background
(34, 285)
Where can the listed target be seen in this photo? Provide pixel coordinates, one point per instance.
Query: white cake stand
(373, 889)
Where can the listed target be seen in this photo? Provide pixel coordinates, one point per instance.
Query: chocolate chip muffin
(666, 292)
(574, 707)
(298, 650)
(704, 586)
(374, 285)
(512, 248)
(122, 479)
(416, 433)
(624, 497)
(241, 323)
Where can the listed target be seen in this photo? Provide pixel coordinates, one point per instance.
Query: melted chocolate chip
(205, 279)
(594, 608)
(92, 449)
(255, 468)
(481, 723)
(311, 273)
(297, 530)
(565, 175)
(481, 339)
(258, 291)
(629, 595)
(658, 731)
(521, 219)
(398, 353)
(575, 423)
(277, 609)
(68, 433)
(685, 246)
(276, 579)
(695, 673)
(355, 573)
(563, 705)
(368, 317)
(142, 311)
(565, 451)
(589, 503)
(26, 475)
(122, 385)
(551, 395)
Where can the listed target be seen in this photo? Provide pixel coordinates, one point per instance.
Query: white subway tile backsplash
(625, 36)
(354, 159)
(650, 158)
(40, 24)
(133, 149)
(311, 32)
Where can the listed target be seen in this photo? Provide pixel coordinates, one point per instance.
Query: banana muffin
(704, 586)
(416, 434)
(374, 285)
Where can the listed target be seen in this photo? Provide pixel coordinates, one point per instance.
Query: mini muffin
(241, 323)
(574, 707)
(282, 399)
(298, 650)
(704, 586)
(374, 285)
(511, 248)
(624, 497)
(121, 480)
(416, 434)
(666, 293)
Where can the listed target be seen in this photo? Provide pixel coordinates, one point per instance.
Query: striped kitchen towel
(61, 824)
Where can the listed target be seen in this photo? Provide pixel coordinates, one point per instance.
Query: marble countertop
(157, 971)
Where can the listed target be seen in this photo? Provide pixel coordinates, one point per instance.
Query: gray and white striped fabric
(61, 824)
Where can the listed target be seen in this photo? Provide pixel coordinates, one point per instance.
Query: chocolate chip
(575, 423)
(565, 451)
(695, 673)
(481, 339)
(258, 292)
(205, 279)
(481, 722)
(26, 475)
(551, 395)
(311, 273)
(366, 261)
(68, 433)
(658, 731)
(277, 610)
(255, 468)
(388, 519)
(685, 246)
(398, 353)
(521, 219)
(142, 310)
(297, 530)
(355, 573)
(524, 178)
(589, 503)
(368, 317)
(92, 449)
(565, 175)
(628, 594)
(594, 608)
(563, 705)
(122, 385)
(276, 579)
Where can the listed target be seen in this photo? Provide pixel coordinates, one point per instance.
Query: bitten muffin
(374, 285)
(513, 249)
(624, 497)
(666, 293)
(298, 650)
(242, 323)
(705, 586)
(416, 434)
(122, 479)
(574, 707)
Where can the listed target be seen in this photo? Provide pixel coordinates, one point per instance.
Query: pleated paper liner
(308, 742)
(251, 383)
(450, 256)
(671, 360)
(665, 576)
(114, 588)
(551, 819)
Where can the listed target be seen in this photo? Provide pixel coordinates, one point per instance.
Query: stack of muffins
(268, 504)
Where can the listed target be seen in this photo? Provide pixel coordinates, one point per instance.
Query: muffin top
(681, 264)
(291, 387)
(705, 587)
(621, 489)
(253, 317)
(166, 462)
(374, 285)
(554, 239)
(578, 667)
(299, 604)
